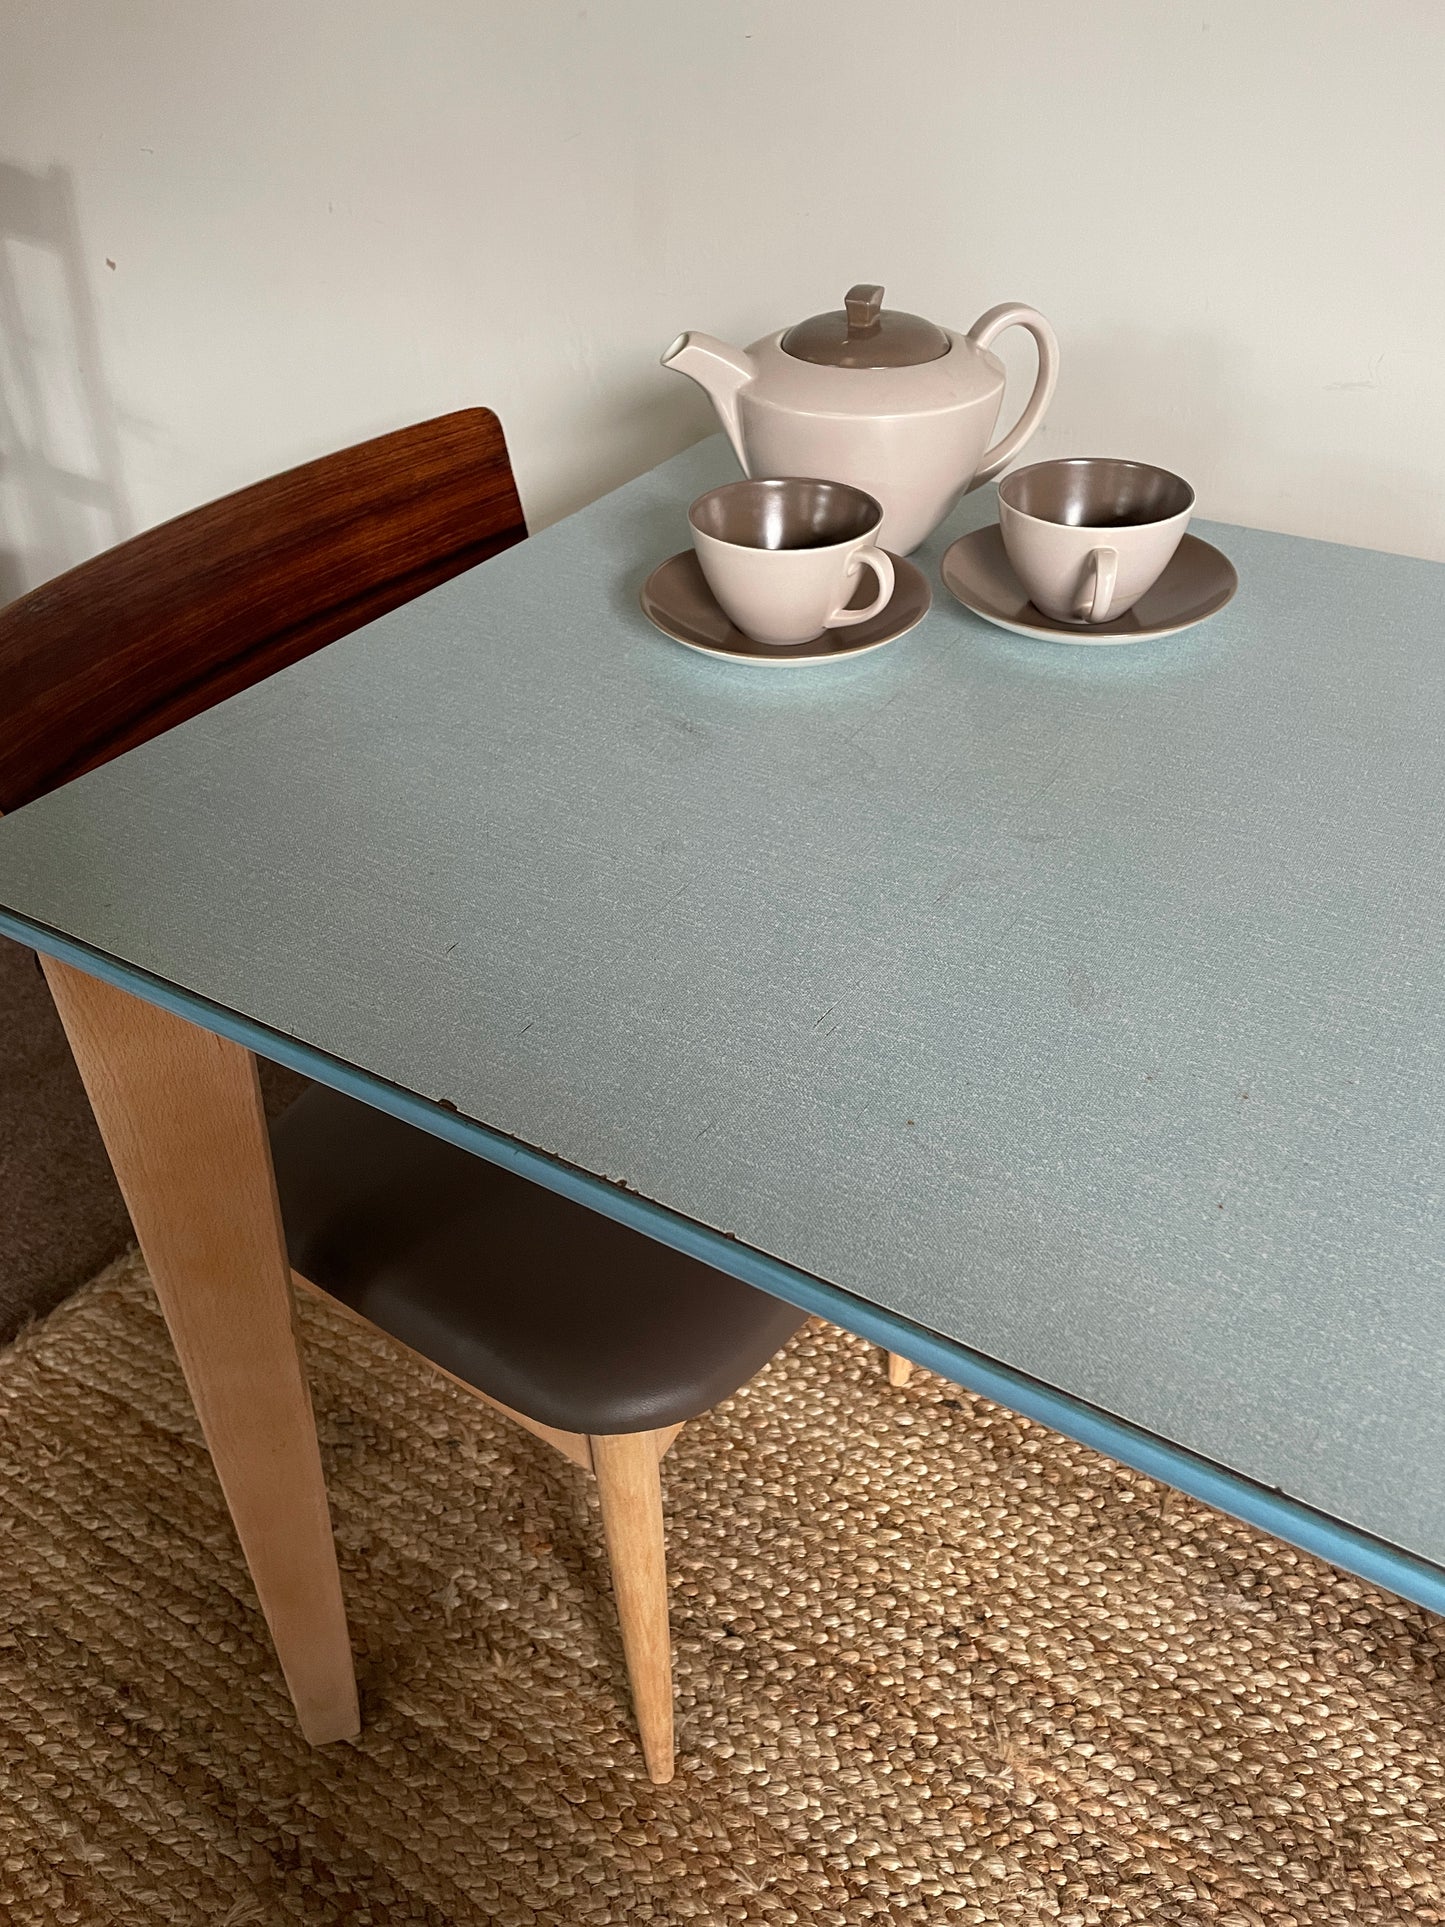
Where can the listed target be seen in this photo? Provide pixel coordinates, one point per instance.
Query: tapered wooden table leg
(631, 1493)
(180, 1112)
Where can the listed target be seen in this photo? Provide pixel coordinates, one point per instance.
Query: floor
(933, 1664)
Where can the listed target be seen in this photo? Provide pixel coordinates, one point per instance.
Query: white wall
(327, 217)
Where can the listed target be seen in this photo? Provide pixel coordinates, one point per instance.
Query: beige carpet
(933, 1665)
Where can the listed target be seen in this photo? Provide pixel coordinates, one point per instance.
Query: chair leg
(899, 1369)
(631, 1495)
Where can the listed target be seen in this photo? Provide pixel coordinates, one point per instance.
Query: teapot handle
(1008, 315)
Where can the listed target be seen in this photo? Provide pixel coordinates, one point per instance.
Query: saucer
(677, 600)
(1196, 584)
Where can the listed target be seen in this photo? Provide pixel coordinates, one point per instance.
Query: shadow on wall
(61, 495)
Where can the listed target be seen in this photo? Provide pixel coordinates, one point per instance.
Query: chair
(593, 1337)
(115, 651)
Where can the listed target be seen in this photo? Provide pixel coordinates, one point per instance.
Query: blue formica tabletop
(1070, 1019)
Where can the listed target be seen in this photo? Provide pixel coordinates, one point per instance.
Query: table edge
(1407, 1574)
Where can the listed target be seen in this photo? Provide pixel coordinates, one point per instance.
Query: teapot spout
(724, 372)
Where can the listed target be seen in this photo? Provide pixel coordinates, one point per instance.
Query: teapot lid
(865, 334)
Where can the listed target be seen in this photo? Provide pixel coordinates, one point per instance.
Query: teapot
(887, 401)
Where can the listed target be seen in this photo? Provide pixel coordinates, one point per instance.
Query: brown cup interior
(1097, 493)
(791, 512)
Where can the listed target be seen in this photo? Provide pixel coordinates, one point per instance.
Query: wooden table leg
(180, 1112)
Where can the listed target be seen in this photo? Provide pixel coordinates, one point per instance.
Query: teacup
(783, 557)
(1088, 535)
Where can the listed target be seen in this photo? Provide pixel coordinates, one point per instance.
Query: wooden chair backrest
(126, 645)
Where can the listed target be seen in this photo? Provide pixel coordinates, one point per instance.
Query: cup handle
(1096, 590)
(1014, 314)
(882, 567)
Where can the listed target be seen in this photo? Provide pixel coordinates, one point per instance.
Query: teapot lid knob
(863, 304)
(865, 334)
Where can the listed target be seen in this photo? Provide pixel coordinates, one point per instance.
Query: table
(1068, 1020)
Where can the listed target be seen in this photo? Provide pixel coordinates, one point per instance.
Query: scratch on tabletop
(1048, 783)
(968, 873)
(870, 722)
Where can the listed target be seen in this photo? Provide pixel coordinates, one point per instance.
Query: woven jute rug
(933, 1664)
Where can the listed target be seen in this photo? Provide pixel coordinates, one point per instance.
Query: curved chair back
(158, 629)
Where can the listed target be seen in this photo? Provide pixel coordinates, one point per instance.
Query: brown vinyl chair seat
(539, 1303)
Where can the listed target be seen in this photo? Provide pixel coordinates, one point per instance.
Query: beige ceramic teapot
(868, 395)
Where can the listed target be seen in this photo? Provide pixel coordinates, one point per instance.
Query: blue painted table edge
(1287, 1519)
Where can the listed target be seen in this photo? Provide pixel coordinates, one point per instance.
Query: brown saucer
(677, 600)
(1196, 584)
